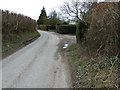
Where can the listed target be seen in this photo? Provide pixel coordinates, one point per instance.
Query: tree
(53, 19)
(43, 17)
(75, 9)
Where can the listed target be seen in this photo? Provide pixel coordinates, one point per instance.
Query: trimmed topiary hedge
(66, 29)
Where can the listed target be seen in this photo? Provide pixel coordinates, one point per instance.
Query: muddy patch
(65, 42)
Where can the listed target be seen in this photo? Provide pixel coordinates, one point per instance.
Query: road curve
(38, 65)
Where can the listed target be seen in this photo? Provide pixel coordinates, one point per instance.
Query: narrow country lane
(38, 65)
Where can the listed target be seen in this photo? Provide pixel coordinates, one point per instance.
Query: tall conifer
(43, 17)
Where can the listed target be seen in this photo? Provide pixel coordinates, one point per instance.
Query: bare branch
(75, 8)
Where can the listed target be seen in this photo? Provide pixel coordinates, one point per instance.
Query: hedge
(66, 29)
(42, 27)
(81, 29)
(16, 23)
(46, 27)
(16, 29)
(49, 27)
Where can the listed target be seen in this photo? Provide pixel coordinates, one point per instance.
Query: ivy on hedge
(81, 30)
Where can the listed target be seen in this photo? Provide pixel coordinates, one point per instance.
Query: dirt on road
(39, 64)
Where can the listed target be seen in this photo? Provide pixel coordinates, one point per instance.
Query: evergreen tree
(43, 17)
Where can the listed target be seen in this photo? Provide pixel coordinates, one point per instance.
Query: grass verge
(97, 72)
(13, 41)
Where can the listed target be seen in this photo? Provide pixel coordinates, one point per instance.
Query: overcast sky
(31, 8)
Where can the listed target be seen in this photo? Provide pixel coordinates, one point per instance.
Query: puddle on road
(65, 46)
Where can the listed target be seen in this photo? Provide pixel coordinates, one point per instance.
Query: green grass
(97, 72)
(73, 53)
(15, 40)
